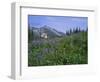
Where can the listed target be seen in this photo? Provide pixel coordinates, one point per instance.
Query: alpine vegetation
(57, 40)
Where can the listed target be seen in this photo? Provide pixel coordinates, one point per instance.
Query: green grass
(65, 50)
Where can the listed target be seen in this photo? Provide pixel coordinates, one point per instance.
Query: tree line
(75, 30)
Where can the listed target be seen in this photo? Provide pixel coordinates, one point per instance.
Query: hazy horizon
(60, 23)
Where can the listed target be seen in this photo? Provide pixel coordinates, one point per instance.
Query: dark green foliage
(75, 30)
(65, 50)
(30, 35)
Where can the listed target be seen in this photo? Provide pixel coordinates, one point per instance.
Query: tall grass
(65, 50)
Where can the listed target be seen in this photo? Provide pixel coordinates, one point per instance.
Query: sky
(60, 23)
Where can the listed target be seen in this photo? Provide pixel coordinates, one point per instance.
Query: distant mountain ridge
(51, 32)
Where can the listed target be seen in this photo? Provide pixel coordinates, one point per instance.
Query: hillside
(64, 50)
(51, 32)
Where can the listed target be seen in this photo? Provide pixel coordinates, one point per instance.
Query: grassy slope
(59, 51)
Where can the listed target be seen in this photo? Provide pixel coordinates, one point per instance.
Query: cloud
(81, 19)
(51, 18)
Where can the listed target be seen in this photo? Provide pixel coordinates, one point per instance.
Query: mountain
(51, 32)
